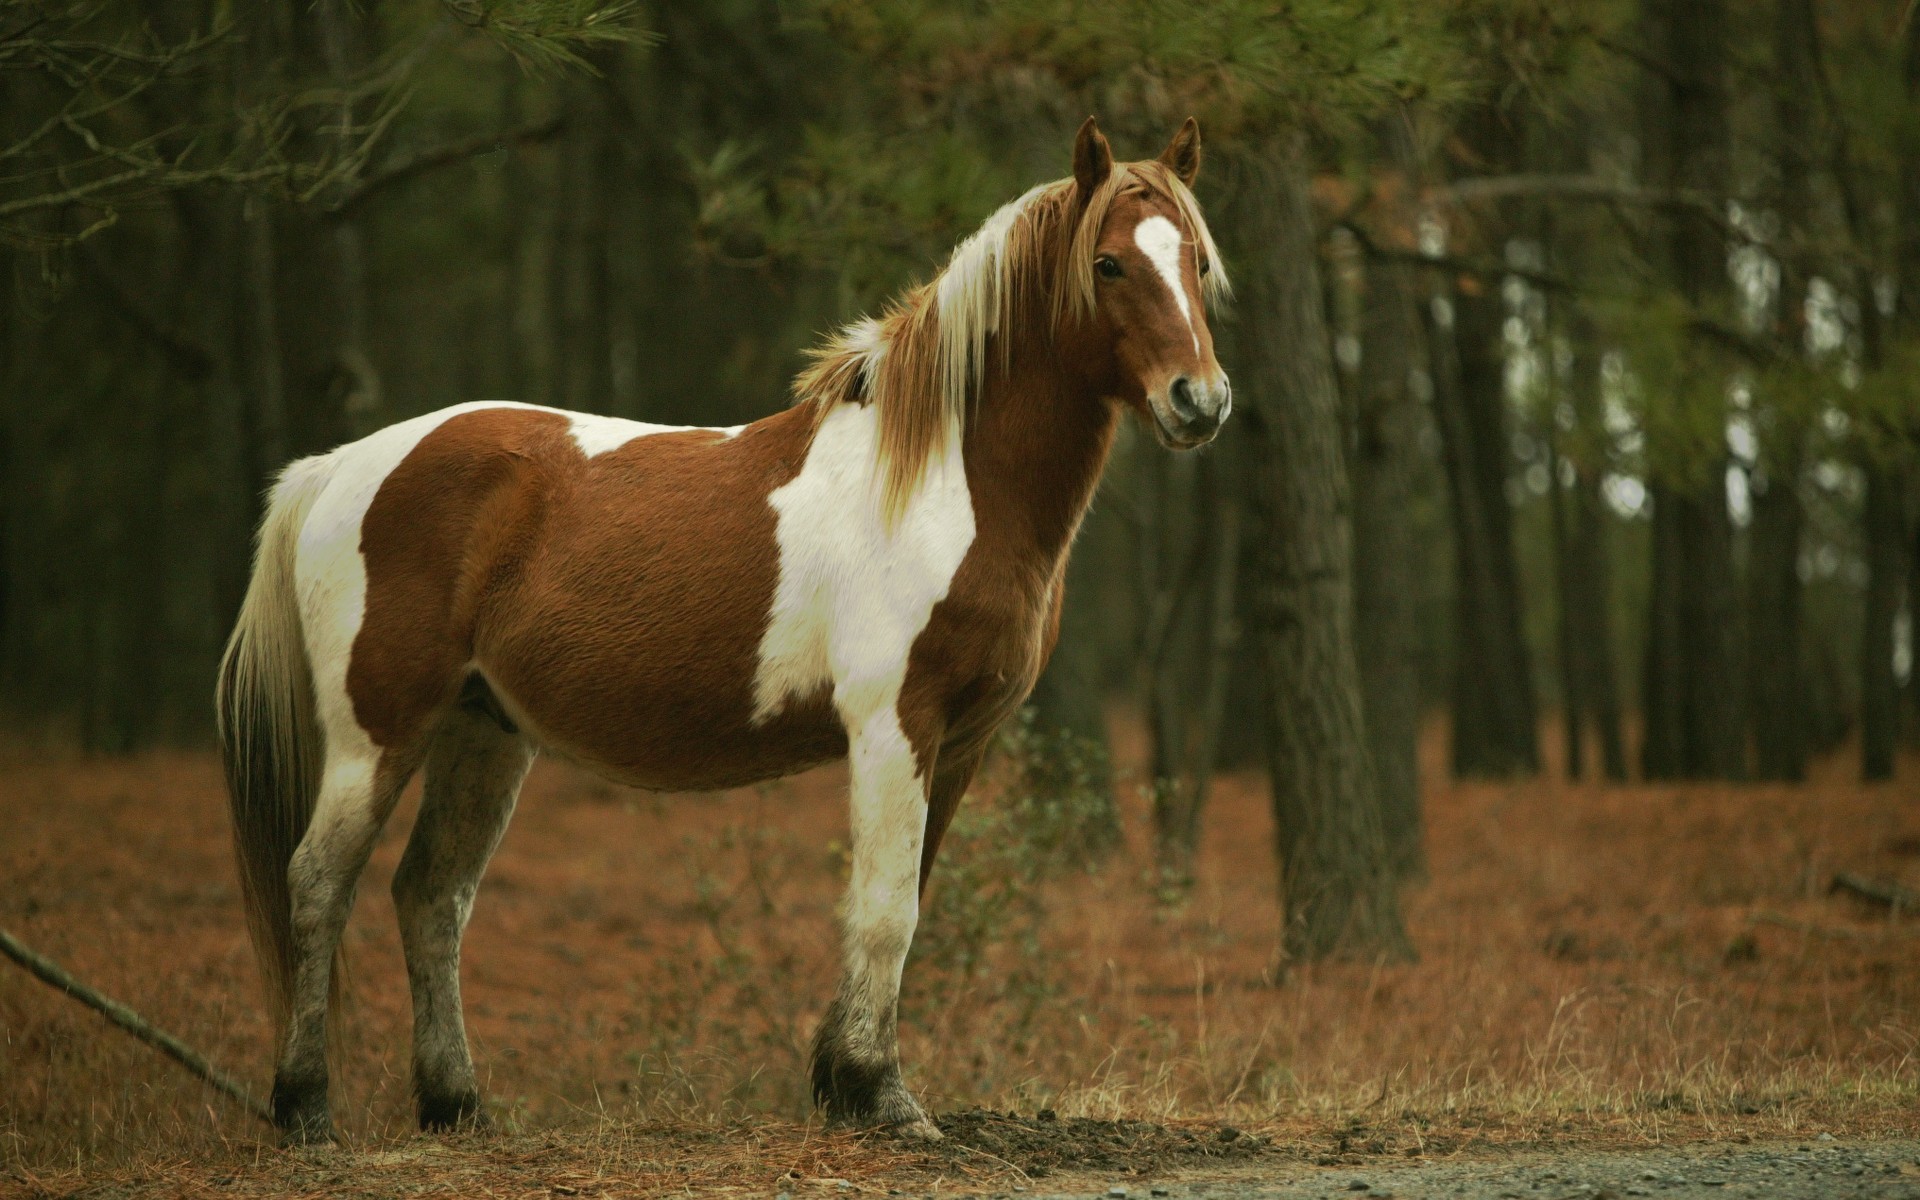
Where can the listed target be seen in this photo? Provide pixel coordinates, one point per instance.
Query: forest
(1572, 484)
(1575, 344)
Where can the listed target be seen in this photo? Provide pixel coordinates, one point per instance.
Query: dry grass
(1620, 965)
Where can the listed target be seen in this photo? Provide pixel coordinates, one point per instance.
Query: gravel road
(1817, 1170)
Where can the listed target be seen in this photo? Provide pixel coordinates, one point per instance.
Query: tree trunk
(1593, 630)
(1890, 518)
(1710, 597)
(1390, 415)
(1776, 651)
(1069, 709)
(1337, 885)
(1692, 693)
(1189, 651)
(1171, 562)
(579, 304)
(357, 393)
(1913, 623)
(1222, 631)
(1492, 694)
(1573, 698)
(1886, 547)
(1663, 747)
(516, 346)
(1494, 734)
(1586, 588)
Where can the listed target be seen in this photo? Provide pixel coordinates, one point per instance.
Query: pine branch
(549, 34)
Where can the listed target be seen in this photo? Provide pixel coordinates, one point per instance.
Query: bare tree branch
(1758, 351)
(1482, 268)
(1892, 895)
(1639, 58)
(421, 162)
(54, 974)
(1576, 187)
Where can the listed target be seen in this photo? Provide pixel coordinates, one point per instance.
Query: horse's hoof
(461, 1112)
(300, 1114)
(921, 1129)
(307, 1135)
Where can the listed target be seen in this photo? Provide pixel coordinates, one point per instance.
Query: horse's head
(1153, 267)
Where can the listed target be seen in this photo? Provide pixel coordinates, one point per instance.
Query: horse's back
(609, 579)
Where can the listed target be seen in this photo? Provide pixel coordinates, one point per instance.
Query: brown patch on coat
(615, 604)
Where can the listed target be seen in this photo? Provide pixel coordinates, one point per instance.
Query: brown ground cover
(1597, 965)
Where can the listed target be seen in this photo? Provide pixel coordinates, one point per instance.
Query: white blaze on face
(1159, 239)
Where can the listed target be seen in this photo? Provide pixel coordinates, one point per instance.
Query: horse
(873, 573)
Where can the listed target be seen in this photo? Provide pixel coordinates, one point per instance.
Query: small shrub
(1041, 809)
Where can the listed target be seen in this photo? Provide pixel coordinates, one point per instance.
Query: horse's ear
(1182, 155)
(1092, 159)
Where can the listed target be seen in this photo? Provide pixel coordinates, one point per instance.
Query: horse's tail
(270, 738)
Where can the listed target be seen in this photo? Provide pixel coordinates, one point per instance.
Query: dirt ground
(1603, 971)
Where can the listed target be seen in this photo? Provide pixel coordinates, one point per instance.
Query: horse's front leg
(856, 1054)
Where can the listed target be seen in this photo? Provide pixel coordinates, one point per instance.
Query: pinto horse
(872, 574)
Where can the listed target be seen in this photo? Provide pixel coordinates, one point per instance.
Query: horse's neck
(1035, 448)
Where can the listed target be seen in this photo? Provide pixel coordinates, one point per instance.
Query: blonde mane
(920, 361)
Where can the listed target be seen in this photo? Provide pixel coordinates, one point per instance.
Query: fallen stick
(1892, 895)
(52, 973)
(1878, 933)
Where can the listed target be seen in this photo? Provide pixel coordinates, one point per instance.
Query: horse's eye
(1109, 268)
(1206, 266)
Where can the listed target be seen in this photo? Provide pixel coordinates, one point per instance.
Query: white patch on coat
(595, 434)
(854, 589)
(331, 574)
(887, 821)
(1159, 239)
(854, 592)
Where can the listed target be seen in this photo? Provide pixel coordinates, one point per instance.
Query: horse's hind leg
(358, 787)
(474, 769)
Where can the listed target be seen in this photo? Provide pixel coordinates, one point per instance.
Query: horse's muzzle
(1193, 411)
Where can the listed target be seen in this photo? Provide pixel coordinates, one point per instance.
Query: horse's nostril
(1181, 393)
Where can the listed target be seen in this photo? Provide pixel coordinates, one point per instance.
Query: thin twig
(52, 973)
(1892, 895)
(1639, 58)
(422, 161)
(1483, 268)
(1812, 930)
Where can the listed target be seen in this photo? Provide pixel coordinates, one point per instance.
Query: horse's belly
(662, 725)
(672, 747)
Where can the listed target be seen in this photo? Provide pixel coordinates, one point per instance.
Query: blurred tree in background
(1574, 346)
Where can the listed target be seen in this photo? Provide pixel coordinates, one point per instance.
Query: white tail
(270, 741)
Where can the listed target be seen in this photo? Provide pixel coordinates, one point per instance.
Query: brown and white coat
(874, 573)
